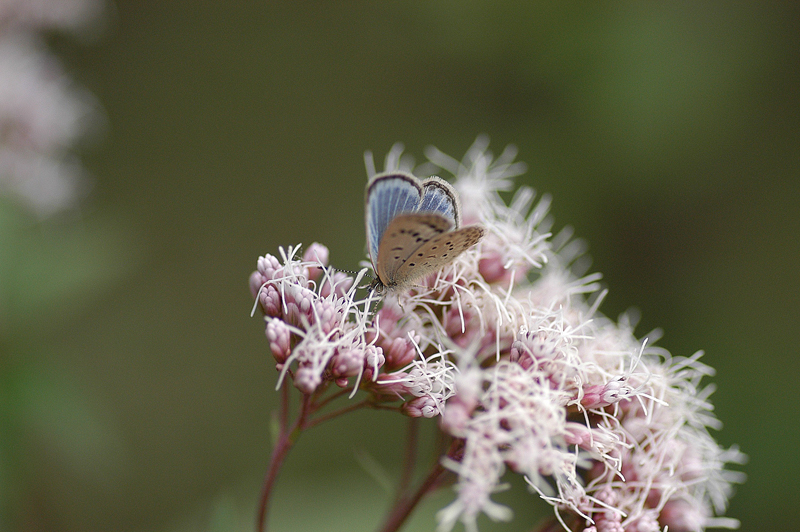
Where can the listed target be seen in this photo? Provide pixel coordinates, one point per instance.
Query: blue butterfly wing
(387, 196)
(439, 197)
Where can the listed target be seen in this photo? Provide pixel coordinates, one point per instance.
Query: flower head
(507, 347)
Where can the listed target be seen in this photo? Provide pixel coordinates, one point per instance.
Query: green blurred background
(666, 132)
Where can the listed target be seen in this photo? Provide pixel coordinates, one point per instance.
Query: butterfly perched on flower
(413, 228)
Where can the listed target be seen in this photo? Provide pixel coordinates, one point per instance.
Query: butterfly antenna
(351, 272)
(363, 273)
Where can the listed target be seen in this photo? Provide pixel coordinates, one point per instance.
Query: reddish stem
(405, 504)
(286, 439)
(336, 413)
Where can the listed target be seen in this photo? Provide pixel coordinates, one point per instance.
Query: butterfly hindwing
(437, 253)
(405, 235)
(439, 196)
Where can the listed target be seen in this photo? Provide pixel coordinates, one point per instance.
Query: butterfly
(413, 228)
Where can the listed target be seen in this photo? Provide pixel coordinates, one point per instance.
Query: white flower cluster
(507, 346)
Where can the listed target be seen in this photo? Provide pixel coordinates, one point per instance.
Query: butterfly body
(413, 228)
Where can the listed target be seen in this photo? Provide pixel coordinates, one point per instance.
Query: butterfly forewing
(406, 234)
(437, 253)
(387, 196)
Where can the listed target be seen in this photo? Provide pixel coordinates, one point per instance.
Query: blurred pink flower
(42, 113)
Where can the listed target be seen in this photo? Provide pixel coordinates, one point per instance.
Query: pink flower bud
(279, 338)
(368, 375)
(316, 253)
(395, 383)
(307, 380)
(298, 303)
(400, 351)
(255, 282)
(270, 300)
(339, 283)
(347, 363)
(269, 267)
(326, 315)
(601, 395)
(421, 407)
(374, 358)
(388, 316)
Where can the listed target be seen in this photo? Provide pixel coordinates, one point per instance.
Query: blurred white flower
(42, 113)
(49, 14)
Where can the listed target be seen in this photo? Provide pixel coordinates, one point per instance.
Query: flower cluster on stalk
(507, 348)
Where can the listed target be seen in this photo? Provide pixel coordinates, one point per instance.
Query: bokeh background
(137, 390)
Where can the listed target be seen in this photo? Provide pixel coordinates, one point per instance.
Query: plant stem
(405, 504)
(331, 415)
(285, 441)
